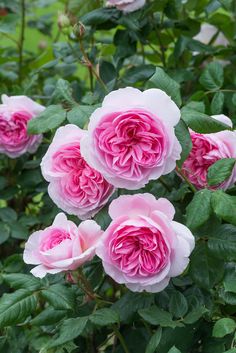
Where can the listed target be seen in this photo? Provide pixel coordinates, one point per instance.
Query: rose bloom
(207, 32)
(15, 112)
(143, 247)
(208, 149)
(131, 138)
(74, 186)
(126, 5)
(61, 247)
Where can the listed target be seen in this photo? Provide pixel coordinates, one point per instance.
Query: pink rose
(131, 138)
(126, 5)
(74, 186)
(15, 112)
(61, 247)
(208, 149)
(143, 247)
(207, 32)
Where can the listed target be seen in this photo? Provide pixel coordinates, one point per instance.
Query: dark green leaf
(178, 305)
(156, 316)
(212, 77)
(201, 123)
(154, 341)
(224, 206)
(16, 307)
(222, 243)
(104, 317)
(199, 209)
(7, 215)
(70, 329)
(20, 280)
(174, 350)
(182, 134)
(48, 316)
(161, 80)
(217, 103)
(59, 296)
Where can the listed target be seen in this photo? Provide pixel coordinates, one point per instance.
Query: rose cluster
(130, 140)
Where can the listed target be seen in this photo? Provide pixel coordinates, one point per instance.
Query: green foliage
(69, 69)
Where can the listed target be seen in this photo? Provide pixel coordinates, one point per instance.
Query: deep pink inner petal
(131, 142)
(139, 251)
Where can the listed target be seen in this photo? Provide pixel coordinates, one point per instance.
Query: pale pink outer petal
(61, 221)
(223, 119)
(18, 103)
(183, 248)
(154, 288)
(90, 232)
(134, 205)
(206, 33)
(41, 271)
(64, 135)
(31, 252)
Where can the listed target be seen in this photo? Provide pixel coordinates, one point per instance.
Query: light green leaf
(220, 171)
(183, 135)
(223, 327)
(224, 206)
(49, 119)
(217, 103)
(80, 114)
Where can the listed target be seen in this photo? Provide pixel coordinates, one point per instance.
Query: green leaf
(8, 23)
(70, 329)
(205, 269)
(20, 280)
(224, 206)
(80, 114)
(223, 327)
(163, 81)
(222, 243)
(104, 317)
(220, 171)
(59, 296)
(183, 135)
(49, 119)
(138, 73)
(212, 77)
(178, 305)
(48, 316)
(138, 300)
(174, 350)
(230, 279)
(63, 92)
(16, 307)
(201, 123)
(199, 209)
(194, 315)
(7, 214)
(154, 341)
(156, 316)
(4, 232)
(217, 103)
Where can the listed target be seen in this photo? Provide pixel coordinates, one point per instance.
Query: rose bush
(120, 114)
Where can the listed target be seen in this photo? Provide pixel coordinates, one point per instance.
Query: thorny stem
(186, 180)
(21, 39)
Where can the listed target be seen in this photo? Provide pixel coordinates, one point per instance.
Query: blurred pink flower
(61, 247)
(15, 112)
(143, 247)
(126, 5)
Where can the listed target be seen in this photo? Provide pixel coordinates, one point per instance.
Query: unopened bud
(79, 30)
(63, 22)
(42, 44)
